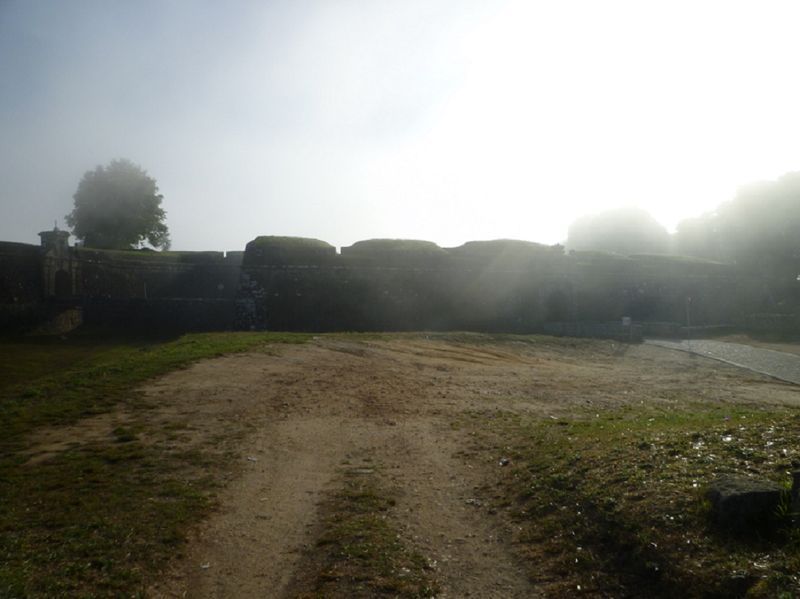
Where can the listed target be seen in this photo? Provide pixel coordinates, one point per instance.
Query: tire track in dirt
(441, 514)
(319, 405)
(251, 547)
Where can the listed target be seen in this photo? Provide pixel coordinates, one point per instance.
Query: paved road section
(765, 361)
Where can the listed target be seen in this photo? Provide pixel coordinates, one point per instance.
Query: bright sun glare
(573, 107)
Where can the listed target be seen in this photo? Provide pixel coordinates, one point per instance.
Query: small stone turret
(55, 240)
(59, 274)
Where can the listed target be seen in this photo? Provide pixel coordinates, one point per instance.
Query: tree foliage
(699, 237)
(624, 231)
(118, 207)
(758, 229)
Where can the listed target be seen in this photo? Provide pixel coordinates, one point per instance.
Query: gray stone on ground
(744, 504)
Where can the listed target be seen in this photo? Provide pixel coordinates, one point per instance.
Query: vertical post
(688, 322)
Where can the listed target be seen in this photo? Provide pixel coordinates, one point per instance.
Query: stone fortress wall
(284, 283)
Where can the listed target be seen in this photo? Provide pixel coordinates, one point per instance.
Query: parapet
(270, 249)
(511, 252)
(395, 252)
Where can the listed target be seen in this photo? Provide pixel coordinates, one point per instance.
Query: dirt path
(313, 408)
(443, 516)
(319, 406)
(250, 548)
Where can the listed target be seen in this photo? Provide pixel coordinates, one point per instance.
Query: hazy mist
(445, 120)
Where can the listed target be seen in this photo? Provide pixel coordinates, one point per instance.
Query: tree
(757, 229)
(699, 237)
(118, 207)
(624, 231)
(759, 226)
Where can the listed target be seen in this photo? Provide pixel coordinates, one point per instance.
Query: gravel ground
(766, 361)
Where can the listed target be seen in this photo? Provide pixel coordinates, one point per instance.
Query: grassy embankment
(99, 518)
(612, 504)
(102, 518)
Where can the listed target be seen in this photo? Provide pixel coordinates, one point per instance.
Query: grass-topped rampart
(148, 256)
(378, 247)
(396, 253)
(269, 249)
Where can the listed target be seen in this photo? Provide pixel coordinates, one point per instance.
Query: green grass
(164, 257)
(26, 360)
(58, 383)
(359, 552)
(93, 522)
(614, 502)
(101, 518)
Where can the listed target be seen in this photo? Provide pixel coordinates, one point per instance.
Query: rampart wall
(300, 284)
(20, 273)
(482, 286)
(157, 275)
(20, 285)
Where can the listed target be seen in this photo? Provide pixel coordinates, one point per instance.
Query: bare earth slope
(397, 403)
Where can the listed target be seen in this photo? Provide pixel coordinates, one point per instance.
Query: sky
(444, 120)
